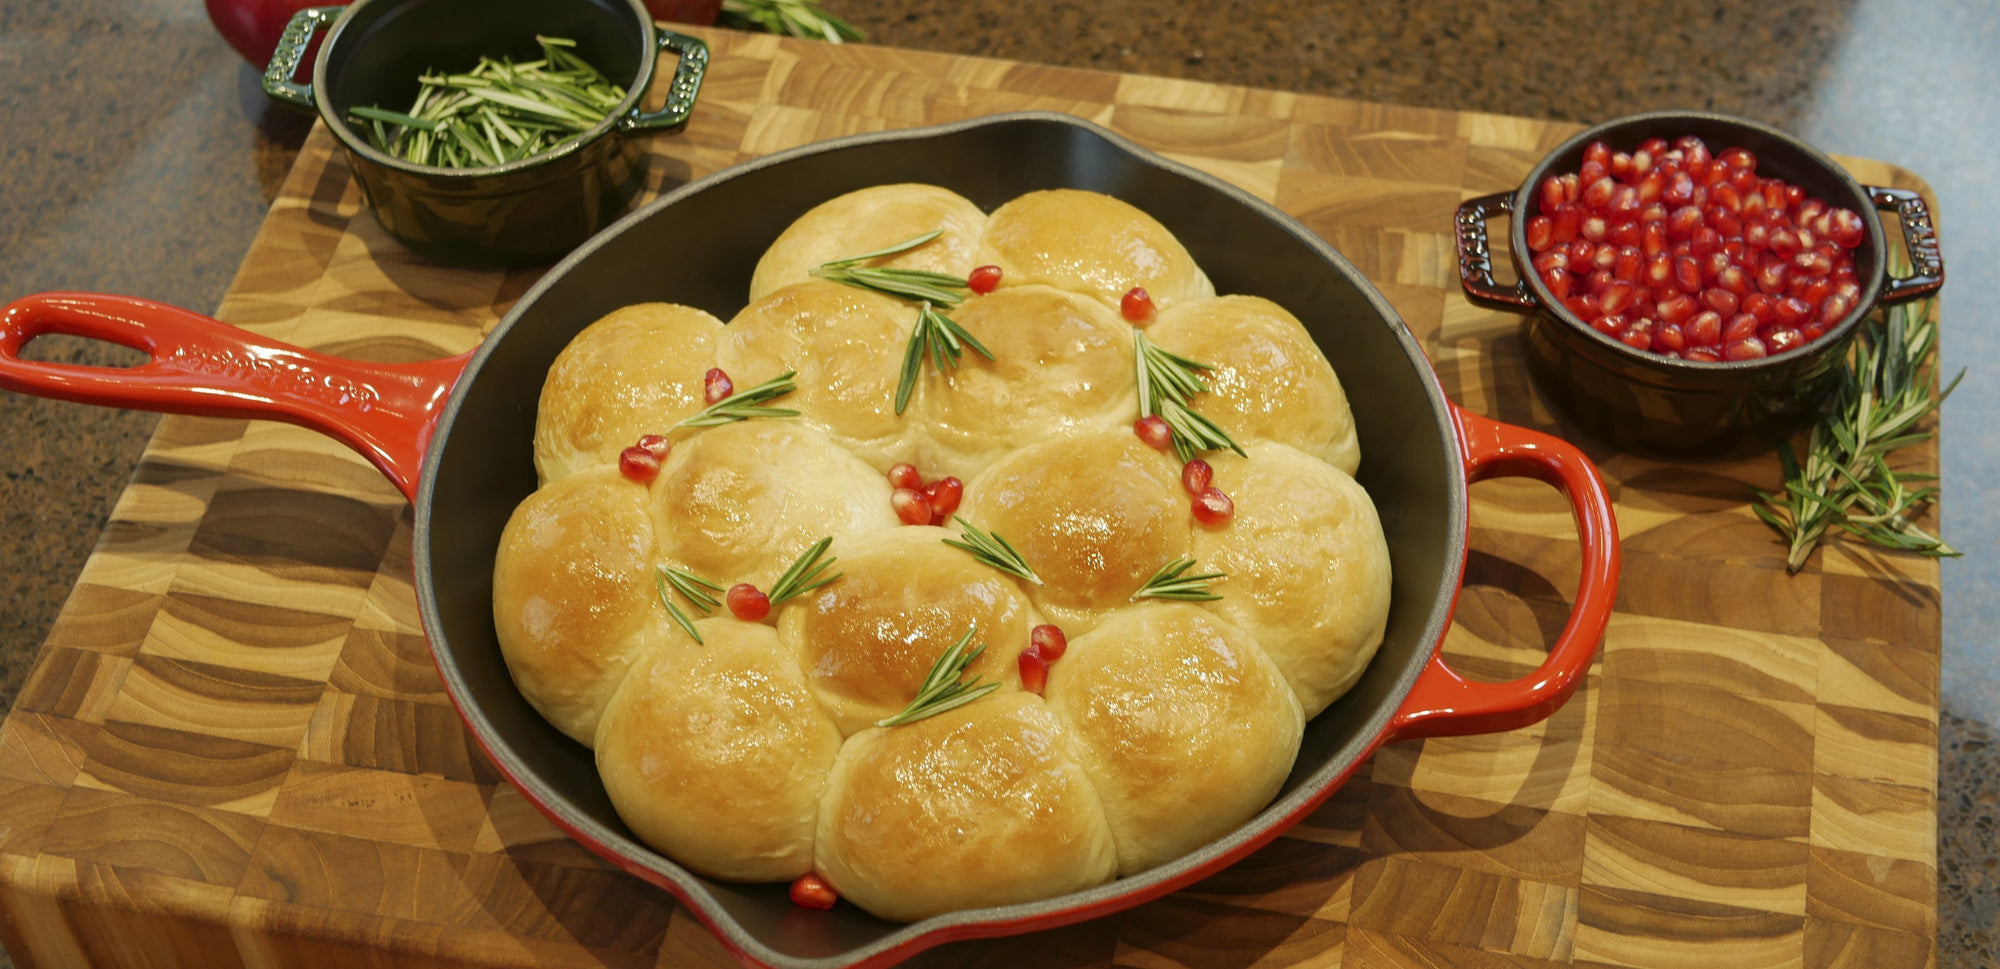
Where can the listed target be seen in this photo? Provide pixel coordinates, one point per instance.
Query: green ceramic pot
(524, 212)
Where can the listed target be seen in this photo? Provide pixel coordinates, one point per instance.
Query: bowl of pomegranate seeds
(1692, 276)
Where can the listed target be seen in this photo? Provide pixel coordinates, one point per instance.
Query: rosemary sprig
(1172, 582)
(799, 18)
(695, 588)
(500, 111)
(805, 573)
(942, 689)
(745, 404)
(916, 284)
(936, 336)
(1166, 381)
(992, 550)
(1846, 481)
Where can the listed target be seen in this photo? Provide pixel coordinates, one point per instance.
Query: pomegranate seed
(1195, 476)
(1677, 310)
(1580, 251)
(638, 464)
(1617, 297)
(1741, 327)
(1847, 229)
(1552, 194)
(1687, 274)
(1629, 264)
(1669, 338)
(657, 445)
(1784, 338)
(1812, 262)
(1598, 282)
(1598, 195)
(1568, 221)
(1212, 507)
(1707, 239)
(1705, 329)
(1849, 288)
(1653, 239)
(1809, 210)
(1590, 171)
(1812, 289)
(1748, 348)
(1625, 204)
(1660, 270)
(1642, 164)
(1757, 234)
(1605, 257)
(1739, 159)
(1558, 280)
(1594, 228)
(1541, 233)
(747, 602)
(1720, 300)
(1153, 430)
(1725, 222)
(1679, 190)
(1735, 280)
(1813, 331)
(1682, 222)
(1584, 306)
(1763, 306)
(1034, 671)
(1652, 187)
(1695, 149)
(1557, 258)
(1654, 146)
(1611, 324)
(911, 506)
(1637, 339)
(1625, 234)
(1703, 354)
(1137, 306)
(1621, 166)
(1771, 277)
(983, 280)
(905, 476)
(1822, 225)
(716, 386)
(1793, 311)
(1048, 641)
(944, 495)
(1835, 309)
(1598, 152)
(1653, 213)
(811, 891)
(1726, 198)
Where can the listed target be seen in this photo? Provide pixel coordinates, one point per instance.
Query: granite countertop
(141, 156)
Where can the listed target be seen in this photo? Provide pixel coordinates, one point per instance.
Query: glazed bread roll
(1060, 362)
(739, 502)
(982, 805)
(573, 594)
(871, 219)
(1308, 567)
(636, 371)
(1094, 514)
(846, 346)
(717, 755)
(1268, 380)
(1182, 723)
(1091, 244)
(867, 641)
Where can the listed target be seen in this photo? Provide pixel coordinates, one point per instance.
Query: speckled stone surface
(139, 157)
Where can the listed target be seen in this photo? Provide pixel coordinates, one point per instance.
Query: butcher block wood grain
(235, 752)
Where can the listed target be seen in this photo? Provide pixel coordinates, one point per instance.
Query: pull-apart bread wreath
(979, 559)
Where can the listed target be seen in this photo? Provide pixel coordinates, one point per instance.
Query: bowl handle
(1926, 262)
(1443, 703)
(681, 92)
(291, 51)
(1475, 256)
(208, 368)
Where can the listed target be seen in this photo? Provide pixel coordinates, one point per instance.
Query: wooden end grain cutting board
(235, 751)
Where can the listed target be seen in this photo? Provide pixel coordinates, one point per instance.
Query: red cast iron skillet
(455, 434)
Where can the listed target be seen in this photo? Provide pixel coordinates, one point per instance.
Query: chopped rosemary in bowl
(498, 112)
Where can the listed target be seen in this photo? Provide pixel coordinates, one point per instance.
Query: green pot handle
(291, 52)
(693, 53)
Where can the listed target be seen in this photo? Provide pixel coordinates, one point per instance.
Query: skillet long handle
(1443, 703)
(207, 368)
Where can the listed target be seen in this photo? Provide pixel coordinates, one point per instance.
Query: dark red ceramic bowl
(456, 436)
(1636, 398)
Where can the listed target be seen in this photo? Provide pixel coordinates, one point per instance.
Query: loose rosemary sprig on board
(805, 573)
(498, 112)
(936, 335)
(799, 18)
(1172, 582)
(1845, 481)
(745, 404)
(1166, 382)
(695, 588)
(992, 550)
(942, 689)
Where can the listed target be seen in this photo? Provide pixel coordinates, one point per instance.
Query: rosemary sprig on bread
(943, 689)
(936, 335)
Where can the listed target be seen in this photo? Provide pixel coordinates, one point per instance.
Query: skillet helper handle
(1475, 254)
(1919, 239)
(207, 368)
(681, 90)
(1443, 703)
(293, 45)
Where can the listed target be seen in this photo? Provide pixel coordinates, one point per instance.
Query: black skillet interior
(698, 246)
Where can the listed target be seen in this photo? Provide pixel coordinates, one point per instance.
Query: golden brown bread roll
(1094, 514)
(739, 502)
(717, 755)
(1060, 362)
(573, 597)
(1090, 243)
(1182, 723)
(636, 371)
(1308, 567)
(870, 219)
(982, 805)
(845, 344)
(1269, 381)
(868, 640)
